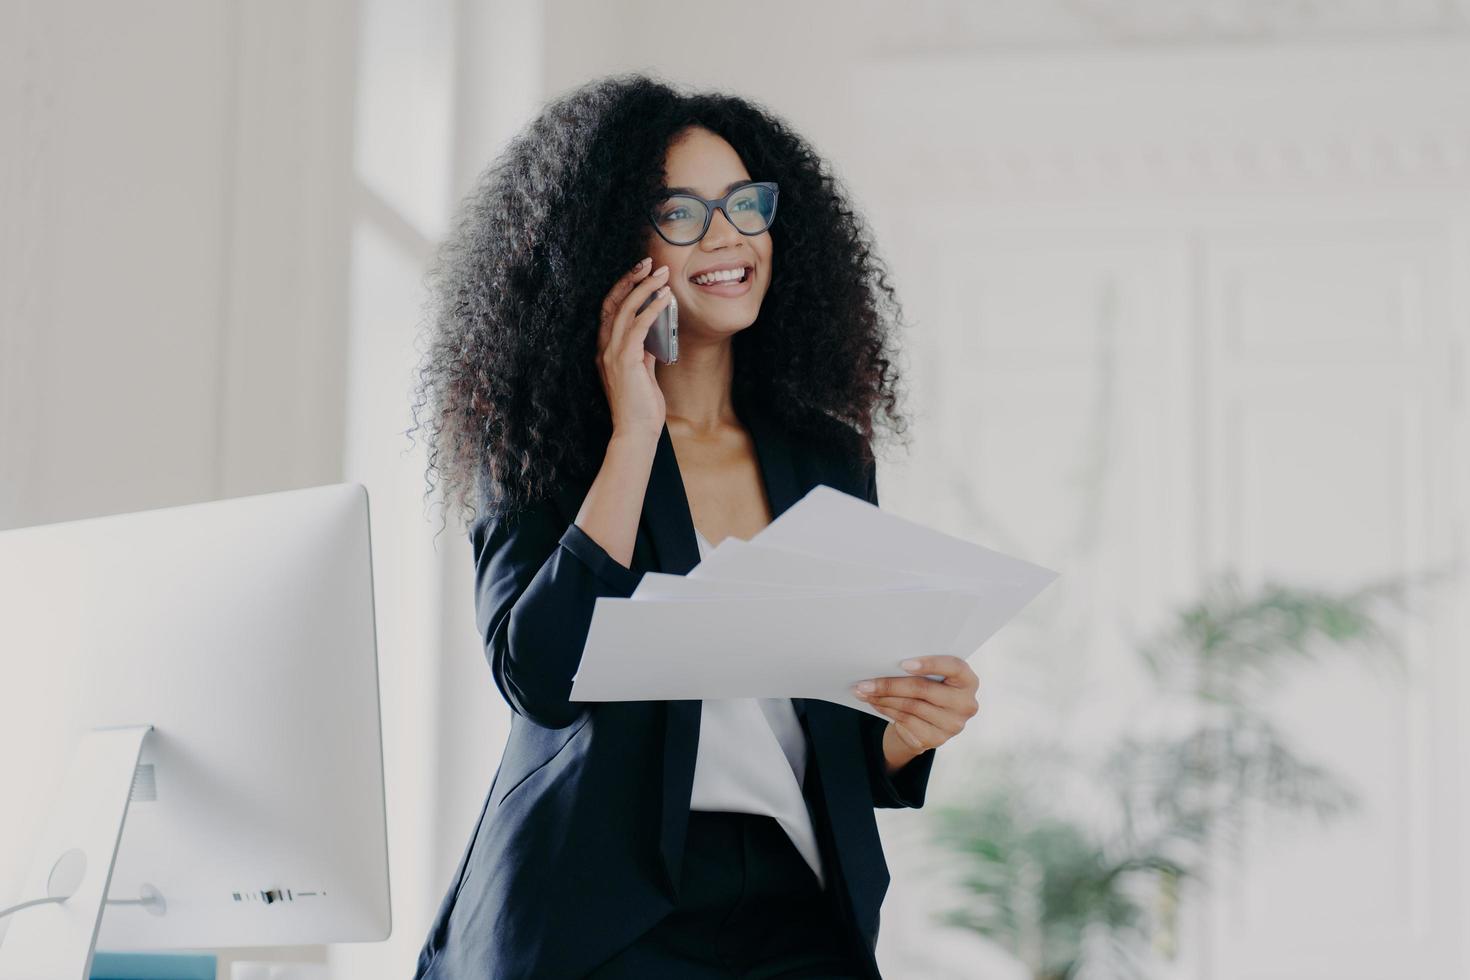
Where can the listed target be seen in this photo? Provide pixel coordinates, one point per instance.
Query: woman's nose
(720, 225)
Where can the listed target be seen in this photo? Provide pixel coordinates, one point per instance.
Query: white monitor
(195, 690)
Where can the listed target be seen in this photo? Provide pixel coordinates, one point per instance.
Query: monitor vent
(145, 790)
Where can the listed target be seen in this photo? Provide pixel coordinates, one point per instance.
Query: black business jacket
(577, 849)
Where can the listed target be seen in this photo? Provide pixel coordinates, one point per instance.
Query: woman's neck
(697, 388)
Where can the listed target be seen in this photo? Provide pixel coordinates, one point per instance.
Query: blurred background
(1188, 291)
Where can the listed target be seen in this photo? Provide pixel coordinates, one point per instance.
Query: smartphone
(663, 333)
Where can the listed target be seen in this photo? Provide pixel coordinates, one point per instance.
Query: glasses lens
(752, 208)
(681, 219)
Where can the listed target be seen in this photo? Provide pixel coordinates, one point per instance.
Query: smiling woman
(655, 839)
(509, 396)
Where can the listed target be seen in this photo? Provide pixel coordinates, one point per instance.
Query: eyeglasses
(682, 219)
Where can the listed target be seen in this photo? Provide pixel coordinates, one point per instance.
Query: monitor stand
(73, 860)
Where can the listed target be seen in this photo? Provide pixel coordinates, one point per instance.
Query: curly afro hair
(515, 403)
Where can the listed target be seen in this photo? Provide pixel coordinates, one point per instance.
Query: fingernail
(910, 665)
(866, 687)
(661, 270)
(644, 263)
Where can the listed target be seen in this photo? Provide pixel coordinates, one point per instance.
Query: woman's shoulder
(838, 444)
(832, 437)
(550, 510)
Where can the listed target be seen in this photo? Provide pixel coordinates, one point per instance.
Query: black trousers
(749, 908)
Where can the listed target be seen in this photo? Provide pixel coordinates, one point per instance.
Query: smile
(726, 287)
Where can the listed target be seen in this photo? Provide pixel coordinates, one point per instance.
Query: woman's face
(707, 164)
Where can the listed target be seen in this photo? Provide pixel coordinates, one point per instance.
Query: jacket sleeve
(906, 787)
(537, 581)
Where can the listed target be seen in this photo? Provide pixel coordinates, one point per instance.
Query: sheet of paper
(658, 585)
(738, 567)
(801, 646)
(747, 561)
(832, 524)
(833, 591)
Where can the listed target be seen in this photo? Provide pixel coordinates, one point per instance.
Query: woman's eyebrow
(689, 190)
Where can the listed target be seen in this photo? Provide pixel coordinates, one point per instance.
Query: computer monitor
(189, 719)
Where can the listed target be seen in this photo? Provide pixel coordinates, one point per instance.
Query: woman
(649, 839)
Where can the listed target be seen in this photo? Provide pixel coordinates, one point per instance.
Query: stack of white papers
(832, 592)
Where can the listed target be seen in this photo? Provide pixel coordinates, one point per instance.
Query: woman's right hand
(633, 394)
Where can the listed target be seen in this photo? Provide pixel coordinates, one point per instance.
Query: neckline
(781, 484)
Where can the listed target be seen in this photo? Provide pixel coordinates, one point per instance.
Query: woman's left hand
(926, 713)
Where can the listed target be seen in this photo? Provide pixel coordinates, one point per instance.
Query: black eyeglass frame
(709, 211)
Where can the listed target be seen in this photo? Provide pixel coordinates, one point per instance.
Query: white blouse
(752, 759)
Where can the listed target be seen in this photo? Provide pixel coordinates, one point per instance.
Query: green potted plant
(1092, 888)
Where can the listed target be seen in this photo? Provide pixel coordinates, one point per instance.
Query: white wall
(172, 256)
(1201, 308)
(172, 287)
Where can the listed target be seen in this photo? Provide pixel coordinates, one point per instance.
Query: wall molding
(1282, 118)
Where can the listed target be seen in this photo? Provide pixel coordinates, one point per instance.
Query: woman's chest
(724, 488)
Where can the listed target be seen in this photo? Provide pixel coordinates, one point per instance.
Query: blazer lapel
(670, 527)
(832, 728)
(837, 747)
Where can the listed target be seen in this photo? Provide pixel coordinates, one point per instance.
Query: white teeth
(728, 275)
